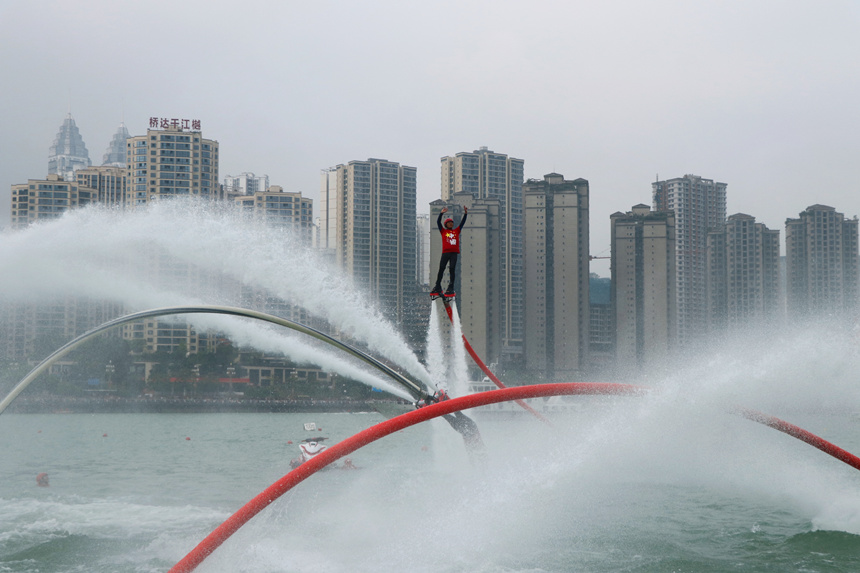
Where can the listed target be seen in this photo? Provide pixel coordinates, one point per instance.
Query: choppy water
(618, 486)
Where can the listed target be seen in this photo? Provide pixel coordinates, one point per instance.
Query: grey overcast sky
(763, 95)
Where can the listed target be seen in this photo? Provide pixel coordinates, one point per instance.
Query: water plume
(104, 254)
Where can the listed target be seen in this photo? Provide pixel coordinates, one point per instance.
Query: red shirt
(451, 240)
(451, 237)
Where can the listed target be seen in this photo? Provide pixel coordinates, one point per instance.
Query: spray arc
(414, 388)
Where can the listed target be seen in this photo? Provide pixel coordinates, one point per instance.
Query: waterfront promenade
(43, 404)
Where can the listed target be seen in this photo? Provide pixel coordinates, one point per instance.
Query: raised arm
(465, 214)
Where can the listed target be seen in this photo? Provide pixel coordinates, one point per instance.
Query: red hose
(801, 434)
(489, 372)
(349, 445)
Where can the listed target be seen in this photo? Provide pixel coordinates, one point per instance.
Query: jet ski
(309, 448)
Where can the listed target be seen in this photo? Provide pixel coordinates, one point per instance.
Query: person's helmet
(449, 220)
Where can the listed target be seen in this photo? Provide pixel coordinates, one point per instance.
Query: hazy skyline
(759, 95)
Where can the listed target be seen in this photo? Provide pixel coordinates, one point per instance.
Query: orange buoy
(42, 480)
(104, 435)
(289, 441)
(187, 439)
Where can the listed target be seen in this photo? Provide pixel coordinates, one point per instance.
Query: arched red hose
(349, 445)
(487, 371)
(800, 434)
(337, 451)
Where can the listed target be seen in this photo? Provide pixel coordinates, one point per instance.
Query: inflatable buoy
(187, 439)
(42, 480)
(320, 429)
(104, 435)
(289, 441)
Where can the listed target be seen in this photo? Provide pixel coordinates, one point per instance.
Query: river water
(621, 484)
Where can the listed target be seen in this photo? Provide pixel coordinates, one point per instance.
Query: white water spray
(102, 253)
(436, 350)
(458, 367)
(446, 353)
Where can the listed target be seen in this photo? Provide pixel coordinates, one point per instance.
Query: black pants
(452, 269)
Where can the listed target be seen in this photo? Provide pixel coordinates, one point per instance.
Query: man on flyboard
(450, 251)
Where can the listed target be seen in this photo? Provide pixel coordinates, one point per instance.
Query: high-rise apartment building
(171, 162)
(289, 211)
(556, 276)
(68, 152)
(485, 174)
(28, 328)
(105, 183)
(743, 274)
(370, 213)
(165, 163)
(643, 285)
(245, 184)
(699, 205)
(479, 272)
(821, 264)
(48, 198)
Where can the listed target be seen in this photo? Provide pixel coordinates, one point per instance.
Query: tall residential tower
(699, 205)
(171, 162)
(556, 276)
(821, 264)
(743, 274)
(643, 285)
(369, 220)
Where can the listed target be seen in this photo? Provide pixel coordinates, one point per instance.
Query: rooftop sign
(165, 123)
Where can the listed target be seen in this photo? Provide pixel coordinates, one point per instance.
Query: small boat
(309, 447)
(312, 447)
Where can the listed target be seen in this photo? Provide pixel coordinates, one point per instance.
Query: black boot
(436, 290)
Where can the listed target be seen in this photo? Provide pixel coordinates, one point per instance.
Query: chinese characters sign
(164, 123)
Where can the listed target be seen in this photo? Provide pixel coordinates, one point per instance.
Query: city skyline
(763, 88)
(228, 180)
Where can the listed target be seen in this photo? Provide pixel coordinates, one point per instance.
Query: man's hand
(444, 209)
(465, 209)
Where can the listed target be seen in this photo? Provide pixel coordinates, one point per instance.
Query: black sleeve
(463, 220)
(439, 221)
